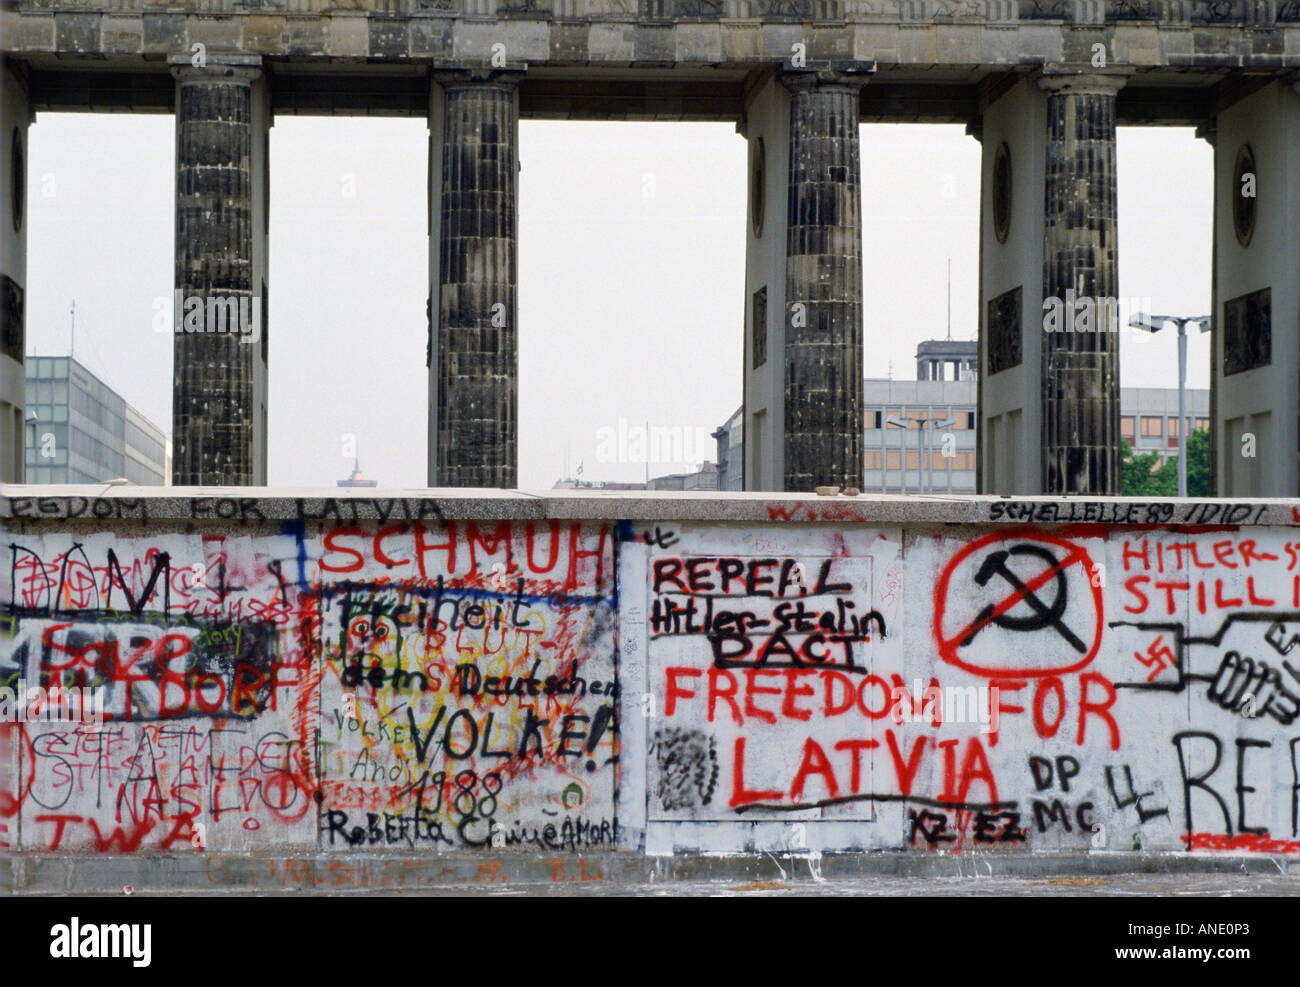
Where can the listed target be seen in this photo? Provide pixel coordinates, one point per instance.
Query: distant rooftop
(595, 485)
(950, 348)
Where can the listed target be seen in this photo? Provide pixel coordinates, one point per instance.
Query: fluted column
(477, 350)
(1080, 382)
(219, 385)
(823, 312)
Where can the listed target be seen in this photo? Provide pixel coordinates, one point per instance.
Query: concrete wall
(14, 118)
(519, 675)
(1011, 412)
(766, 126)
(1256, 438)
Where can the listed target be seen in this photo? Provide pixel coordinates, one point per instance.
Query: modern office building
(920, 434)
(595, 485)
(1148, 417)
(704, 478)
(731, 452)
(936, 357)
(79, 430)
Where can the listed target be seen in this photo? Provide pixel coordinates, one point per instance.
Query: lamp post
(1153, 324)
(32, 419)
(942, 423)
(920, 442)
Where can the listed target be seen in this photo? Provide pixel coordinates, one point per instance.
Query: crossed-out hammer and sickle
(1044, 615)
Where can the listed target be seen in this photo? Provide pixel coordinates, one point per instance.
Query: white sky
(631, 268)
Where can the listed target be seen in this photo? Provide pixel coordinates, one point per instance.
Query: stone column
(15, 114)
(1080, 382)
(220, 383)
(475, 354)
(823, 282)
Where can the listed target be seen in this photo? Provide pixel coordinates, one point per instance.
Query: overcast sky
(631, 273)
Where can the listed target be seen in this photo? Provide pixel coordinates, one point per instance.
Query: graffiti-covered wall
(712, 674)
(416, 685)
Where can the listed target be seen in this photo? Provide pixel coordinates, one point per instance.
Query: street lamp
(1153, 324)
(920, 442)
(31, 419)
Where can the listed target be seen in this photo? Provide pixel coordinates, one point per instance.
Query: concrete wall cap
(242, 505)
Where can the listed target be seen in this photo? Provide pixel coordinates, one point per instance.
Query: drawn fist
(1252, 687)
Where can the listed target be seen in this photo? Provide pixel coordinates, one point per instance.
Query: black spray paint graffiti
(986, 826)
(765, 612)
(1042, 588)
(1044, 615)
(1074, 511)
(1237, 680)
(659, 538)
(1191, 747)
(1132, 796)
(152, 667)
(688, 767)
(32, 579)
(1050, 810)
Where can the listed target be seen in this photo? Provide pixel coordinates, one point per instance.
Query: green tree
(1145, 476)
(1198, 463)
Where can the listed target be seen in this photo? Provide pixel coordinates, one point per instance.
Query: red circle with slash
(998, 605)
